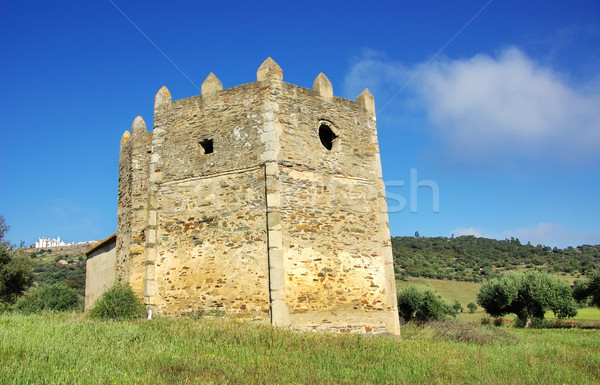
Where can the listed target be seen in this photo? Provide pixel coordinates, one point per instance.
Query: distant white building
(47, 242)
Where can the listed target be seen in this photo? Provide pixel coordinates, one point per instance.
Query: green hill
(468, 258)
(50, 268)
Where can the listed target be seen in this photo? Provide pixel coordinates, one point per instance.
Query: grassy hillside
(70, 349)
(469, 258)
(70, 270)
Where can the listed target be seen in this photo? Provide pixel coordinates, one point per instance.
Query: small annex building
(262, 201)
(100, 269)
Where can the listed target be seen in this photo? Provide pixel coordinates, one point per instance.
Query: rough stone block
(274, 220)
(278, 295)
(275, 238)
(151, 235)
(280, 314)
(276, 258)
(152, 218)
(272, 169)
(277, 279)
(149, 288)
(274, 199)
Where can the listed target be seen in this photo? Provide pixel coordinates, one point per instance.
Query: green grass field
(586, 317)
(71, 349)
(463, 292)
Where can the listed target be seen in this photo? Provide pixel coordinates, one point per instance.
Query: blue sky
(505, 120)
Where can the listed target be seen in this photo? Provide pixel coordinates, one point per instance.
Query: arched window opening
(327, 136)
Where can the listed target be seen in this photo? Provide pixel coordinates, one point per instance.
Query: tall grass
(72, 349)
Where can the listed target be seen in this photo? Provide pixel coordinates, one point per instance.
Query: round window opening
(327, 136)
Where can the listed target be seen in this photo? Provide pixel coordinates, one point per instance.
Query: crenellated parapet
(323, 87)
(162, 98)
(367, 101)
(269, 71)
(211, 85)
(134, 161)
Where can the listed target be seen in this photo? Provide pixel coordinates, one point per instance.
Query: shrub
(5, 307)
(118, 302)
(527, 295)
(58, 297)
(467, 332)
(590, 289)
(580, 293)
(472, 307)
(457, 307)
(422, 305)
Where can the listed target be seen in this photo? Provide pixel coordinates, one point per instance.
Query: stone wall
(212, 249)
(333, 215)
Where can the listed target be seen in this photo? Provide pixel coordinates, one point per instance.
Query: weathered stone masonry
(264, 201)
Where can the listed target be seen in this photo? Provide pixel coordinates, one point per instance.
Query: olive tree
(527, 295)
(16, 275)
(16, 272)
(3, 230)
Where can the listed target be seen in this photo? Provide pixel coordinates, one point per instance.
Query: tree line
(469, 258)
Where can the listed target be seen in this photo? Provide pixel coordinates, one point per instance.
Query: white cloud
(373, 70)
(487, 106)
(491, 108)
(553, 235)
(471, 231)
(549, 234)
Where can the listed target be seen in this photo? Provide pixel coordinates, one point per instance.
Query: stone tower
(265, 201)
